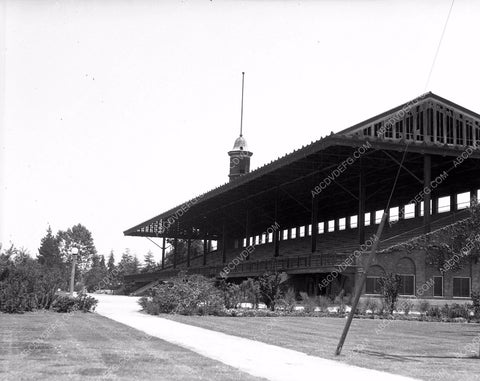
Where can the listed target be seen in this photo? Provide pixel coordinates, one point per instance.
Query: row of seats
(337, 242)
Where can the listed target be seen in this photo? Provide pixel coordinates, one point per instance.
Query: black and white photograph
(240, 190)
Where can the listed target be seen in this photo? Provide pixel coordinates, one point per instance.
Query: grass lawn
(417, 349)
(88, 346)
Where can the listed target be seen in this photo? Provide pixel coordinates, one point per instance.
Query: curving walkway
(256, 358)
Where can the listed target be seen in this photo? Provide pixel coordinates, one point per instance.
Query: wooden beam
(427, 178)
(361, 205)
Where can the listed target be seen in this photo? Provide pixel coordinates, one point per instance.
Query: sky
(115, 111)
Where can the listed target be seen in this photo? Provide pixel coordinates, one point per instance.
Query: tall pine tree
(48, 252)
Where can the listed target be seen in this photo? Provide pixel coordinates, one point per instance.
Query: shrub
(185, 295)
(67, 303)
(64, 303)
(309, 302)
(434, 312)
(86, 303)
(250, 291)
(25, 285)
(407, 305)
(455, 311)
(390, 285)
(231, 294)
(372, 305)
(324, 302)
(423, 306)
(288, 301)
(476, 303)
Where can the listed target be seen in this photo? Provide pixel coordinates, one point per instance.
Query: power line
(439, 45)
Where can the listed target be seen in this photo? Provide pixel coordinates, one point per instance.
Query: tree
(135, 265)
(390, 285)
(111, 263)
(271, 288)
(149, 263)
(80, 237)
(49, 253)
(96, 273)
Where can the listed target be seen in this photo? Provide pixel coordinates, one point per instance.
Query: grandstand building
(313, 213)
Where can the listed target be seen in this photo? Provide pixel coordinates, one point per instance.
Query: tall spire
(241, 110)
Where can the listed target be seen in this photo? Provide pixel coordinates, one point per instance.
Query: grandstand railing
(248, 267)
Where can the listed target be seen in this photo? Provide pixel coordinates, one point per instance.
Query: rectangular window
(342, 223)
(302, 231)
(393, 213)
(372, 285)
(353, 222)
(444, 204)
(438, 286)
(285, 234)
(461, 287)
(321, 227)
(407, 285)
(331, 225)
(293, 233)
(367, 219)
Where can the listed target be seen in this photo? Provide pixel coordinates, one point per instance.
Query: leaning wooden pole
(363, 279)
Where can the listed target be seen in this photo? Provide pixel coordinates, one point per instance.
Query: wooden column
(205, 248)
(427, 178)
(361, 206)
(453, 201)
(434, 205)
(189, 247)
(175, 247)
(276, 232)
(163, 251)
(314, 222)
(247, 233)
(224, 241)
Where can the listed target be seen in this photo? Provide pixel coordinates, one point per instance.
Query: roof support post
(175, 247)
(314, 222)
(205, 248)
(434, 205)
(427, 178)
(189, 247)
(247, 234)
(275, 235)
(453, 201)
(163, 251)
(361, 205)
(224, 241)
